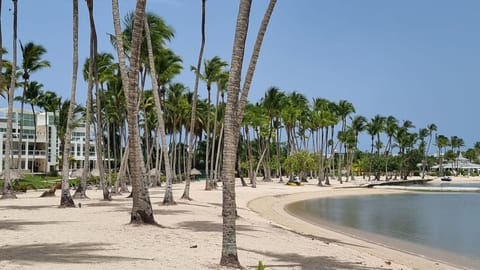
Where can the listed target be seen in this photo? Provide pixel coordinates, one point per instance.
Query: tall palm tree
(32, 96)
(391, 128)
(32, 62)
(212, 70)
(168, 197)
(344, 109)
(50, 103)
(142, 211)
(374, 128)
(186, 192)
(233, 118)
(272, 103)
(441, 141)
(359, 124)
(66, 199)
(422, 147)
(8, 191)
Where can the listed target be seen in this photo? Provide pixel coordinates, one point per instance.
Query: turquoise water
(445, 221)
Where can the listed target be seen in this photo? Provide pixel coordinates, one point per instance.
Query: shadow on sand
(61, 253)
(291, 260)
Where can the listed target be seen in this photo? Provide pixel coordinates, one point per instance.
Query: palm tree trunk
(47, 142)
(168, 197)
(34, 137)
(20, 136)
(66, 199)
(8, 192)
(142, 211)
(212, 156)
(80, 192)
(219, 149)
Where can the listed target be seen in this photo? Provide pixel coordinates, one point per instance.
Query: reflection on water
(448, 221)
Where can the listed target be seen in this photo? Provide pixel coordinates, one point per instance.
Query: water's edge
(431, 253)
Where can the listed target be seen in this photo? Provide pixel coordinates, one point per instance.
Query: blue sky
(415, 60)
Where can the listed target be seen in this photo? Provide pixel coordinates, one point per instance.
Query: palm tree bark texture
(8, 192)
(233, 118)
(142, 208)
(66, 199)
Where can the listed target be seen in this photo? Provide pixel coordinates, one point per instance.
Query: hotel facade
(41, 155)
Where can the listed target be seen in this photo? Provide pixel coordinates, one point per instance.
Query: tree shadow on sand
(26, 207)
(16, 225)
(209, 226)
(291, 260)
(61, 253)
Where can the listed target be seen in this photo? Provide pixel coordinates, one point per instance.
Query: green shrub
(260, 266)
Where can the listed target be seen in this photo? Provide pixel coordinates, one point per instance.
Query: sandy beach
(37, 234)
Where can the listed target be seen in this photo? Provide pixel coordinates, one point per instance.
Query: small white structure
(459, 164)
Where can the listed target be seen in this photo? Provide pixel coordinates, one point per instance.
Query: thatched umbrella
(195, 172)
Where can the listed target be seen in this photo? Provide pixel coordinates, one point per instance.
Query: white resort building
(460, 164)
(40, 155)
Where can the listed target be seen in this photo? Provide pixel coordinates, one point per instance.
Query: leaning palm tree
(186, 192)
(168, 197)
(142, 211)
(8, 191)
(66, 199)
(236, 102)
(32, 62)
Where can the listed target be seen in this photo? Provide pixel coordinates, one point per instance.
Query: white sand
(36, 234)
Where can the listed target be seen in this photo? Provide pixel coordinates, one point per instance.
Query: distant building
(460, 164)
(35, 160)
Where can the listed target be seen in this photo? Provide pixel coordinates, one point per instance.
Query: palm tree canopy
(32, 58)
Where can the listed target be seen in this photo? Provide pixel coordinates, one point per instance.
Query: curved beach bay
(389, 249)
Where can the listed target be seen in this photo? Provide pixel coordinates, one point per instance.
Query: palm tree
(212, 70)
(66, 199)
(233, 118)
(186, 192)
(441, 142)
(142, 211)
(32, 96)
(272, 103)
(344, 109)
(374, 128)
(32, 62)
(359, 123)
(456, 143)
(422, 147)
(50, 103)
(8, 191)
(391, 128)
(168, 197)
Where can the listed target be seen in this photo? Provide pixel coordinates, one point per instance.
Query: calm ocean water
(444, 221)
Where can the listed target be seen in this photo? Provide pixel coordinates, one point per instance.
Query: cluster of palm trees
(165, 124)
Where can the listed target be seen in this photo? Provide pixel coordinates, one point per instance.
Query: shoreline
(37, 234)
(387, 248)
